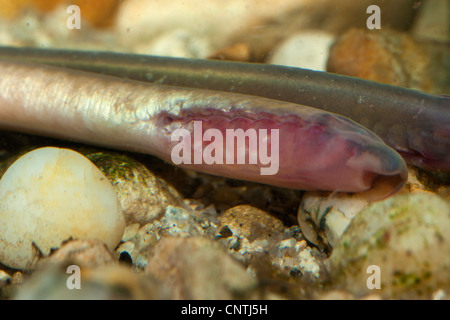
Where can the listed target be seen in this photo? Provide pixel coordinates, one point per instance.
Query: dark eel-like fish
(317, 150)
(415, 124)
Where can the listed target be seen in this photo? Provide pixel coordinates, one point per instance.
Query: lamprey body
(317, 150)
(414, 123)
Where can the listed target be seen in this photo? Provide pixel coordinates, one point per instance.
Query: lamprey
(317, 150)
(414, 123)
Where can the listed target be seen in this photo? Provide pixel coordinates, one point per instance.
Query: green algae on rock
(142, 195)
(323, 216)
(407, 237)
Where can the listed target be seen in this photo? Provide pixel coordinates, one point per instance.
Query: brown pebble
(391, 57)
(83, 253)
(250, 222)
(198, 268)
(236, 52)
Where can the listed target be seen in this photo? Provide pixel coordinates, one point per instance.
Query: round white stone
(50, 195)
(307, 49)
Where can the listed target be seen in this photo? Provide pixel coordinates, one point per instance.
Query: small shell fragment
(323, 218)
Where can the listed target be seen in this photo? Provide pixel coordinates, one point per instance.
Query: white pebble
(308, 263)
(308, 50)
(176, 43)
(50, 195)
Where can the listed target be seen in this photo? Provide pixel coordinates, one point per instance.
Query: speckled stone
(250, 222)
(407, 237)
(246, 230)
(139, 242)
(198, 268)
(143, 195)
(253, 236)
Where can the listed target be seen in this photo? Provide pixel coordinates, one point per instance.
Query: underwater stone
(307, 49)
(324, 216)
(142, 194)
(199, 268)
(407, 237)
(106, 282)
(49, 196)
